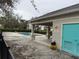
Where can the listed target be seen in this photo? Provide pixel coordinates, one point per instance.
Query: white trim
(67, 23)
(61, 37)
(66, 18)
(40, 22)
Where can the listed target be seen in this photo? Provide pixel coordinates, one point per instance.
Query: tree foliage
(34, 5)
(10, 20)
(13, 22)
(7, 5)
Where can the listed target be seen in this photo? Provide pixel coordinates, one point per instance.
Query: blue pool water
(25, 33)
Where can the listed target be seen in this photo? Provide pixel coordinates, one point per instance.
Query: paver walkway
(25, 48)
(33, 50)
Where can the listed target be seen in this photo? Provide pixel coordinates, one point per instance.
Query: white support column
(52, 33)
(32, 31)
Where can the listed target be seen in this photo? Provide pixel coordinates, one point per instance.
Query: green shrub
(24, 30)
(15, 30)
(40, 31)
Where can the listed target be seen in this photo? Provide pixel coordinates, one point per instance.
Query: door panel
(70, 38)
(77, 49)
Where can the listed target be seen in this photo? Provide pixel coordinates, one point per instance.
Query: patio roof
(64, 11)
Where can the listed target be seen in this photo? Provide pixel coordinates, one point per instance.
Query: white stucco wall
(57, 28)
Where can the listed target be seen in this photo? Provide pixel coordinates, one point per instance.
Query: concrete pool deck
(23, 47)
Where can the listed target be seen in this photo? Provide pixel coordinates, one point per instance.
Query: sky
(25, 9)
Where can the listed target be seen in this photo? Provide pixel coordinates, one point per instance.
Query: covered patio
(48, 24)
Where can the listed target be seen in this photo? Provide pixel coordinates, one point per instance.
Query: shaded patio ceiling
(45, 23)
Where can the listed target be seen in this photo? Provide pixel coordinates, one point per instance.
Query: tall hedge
(24, 30)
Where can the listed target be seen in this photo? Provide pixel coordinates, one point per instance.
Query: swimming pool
(25, 33)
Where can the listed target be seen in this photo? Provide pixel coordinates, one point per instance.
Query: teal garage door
(70, 38)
